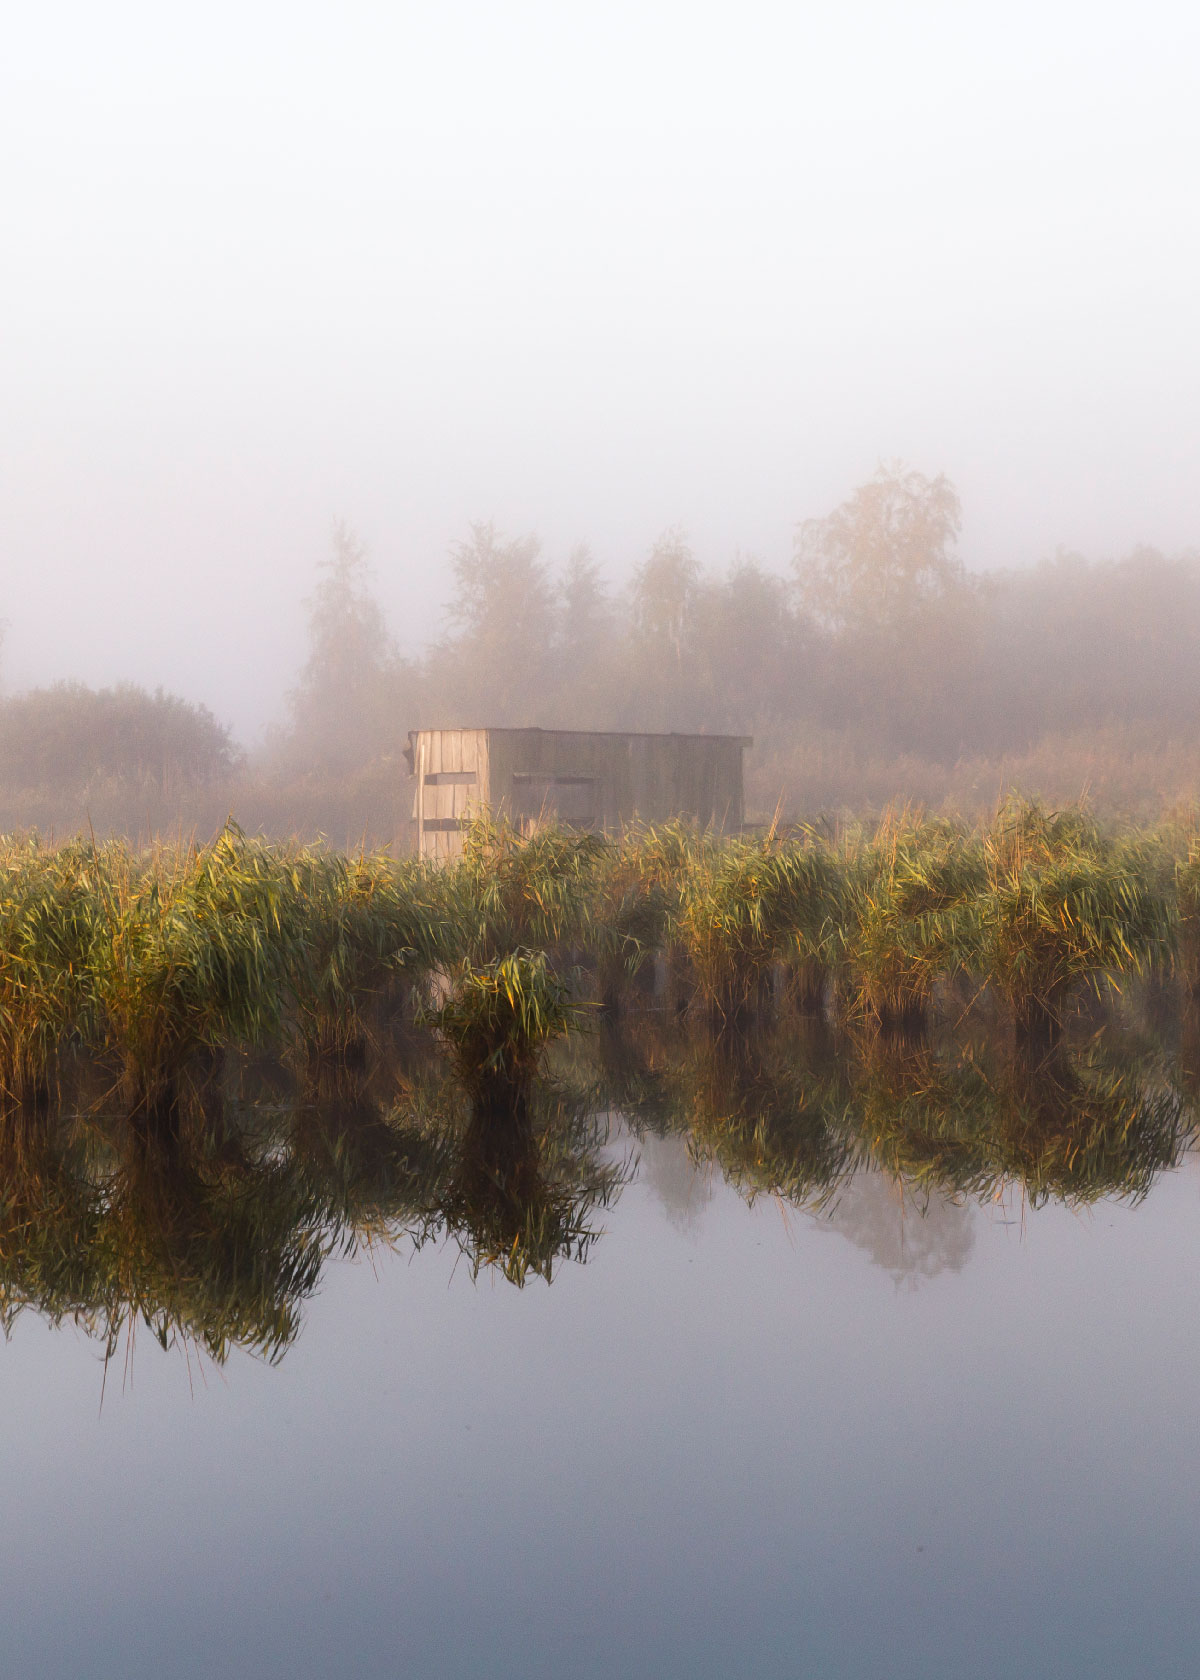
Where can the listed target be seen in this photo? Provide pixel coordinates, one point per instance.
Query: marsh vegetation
(223, 1065)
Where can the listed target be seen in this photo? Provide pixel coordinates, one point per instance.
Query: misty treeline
(877, 668)
(70, 737)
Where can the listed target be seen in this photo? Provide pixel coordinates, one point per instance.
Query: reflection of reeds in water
(1071, 1126)
(50, 1214)
(526, 1187)
(204, 1245)
(765, 1106)
(770, 1118)
(205, 1207)
(794, 1113)
(207, 1222)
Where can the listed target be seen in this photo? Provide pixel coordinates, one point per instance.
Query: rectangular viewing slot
(450, 778)
(542, 796)
(553, 781)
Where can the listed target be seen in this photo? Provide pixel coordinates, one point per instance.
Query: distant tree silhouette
(501, 619)
(68, 736)
(347, 708)
(886, 552)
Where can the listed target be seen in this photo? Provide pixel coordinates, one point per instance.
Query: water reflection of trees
(910, 1239)
(209, 1223)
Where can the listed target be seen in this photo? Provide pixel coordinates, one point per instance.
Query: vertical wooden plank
(483, 770)
(659, 789)
(621, 803)
(466, 806)
(500, 771)
(716, 816)
(421, 746)
(452, 749)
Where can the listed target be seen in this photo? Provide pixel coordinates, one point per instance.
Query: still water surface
(881, 1436)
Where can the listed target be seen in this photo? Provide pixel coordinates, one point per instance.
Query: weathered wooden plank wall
(596, 779)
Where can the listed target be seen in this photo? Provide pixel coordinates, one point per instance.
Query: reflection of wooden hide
(585, 779)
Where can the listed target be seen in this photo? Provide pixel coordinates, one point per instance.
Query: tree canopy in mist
(879, 667)
(880, 640)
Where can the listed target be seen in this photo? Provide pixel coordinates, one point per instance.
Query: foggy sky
(589, 269)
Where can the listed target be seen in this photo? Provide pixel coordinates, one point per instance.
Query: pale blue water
(738, 1442)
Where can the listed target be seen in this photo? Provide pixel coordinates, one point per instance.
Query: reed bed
(159, 960)
(199, 1196)
(751, 906)
(47, 948)
(360, 923)
(1067, 903)
(192, 950)
(913, 890)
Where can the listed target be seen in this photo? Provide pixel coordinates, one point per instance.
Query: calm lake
(889, 1372)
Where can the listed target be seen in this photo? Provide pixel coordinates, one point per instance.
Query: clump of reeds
(508, 892)
(734, 909)
(362, 921)
(193, 949)
(1187, 889)
(912, 917)
(506, 917)
(47, 928)
(498, 1020)
(726, 921)
(1065, 902)
(807, 893)
(631, 901)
